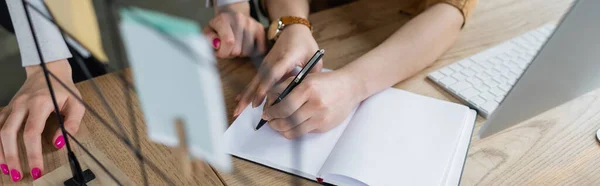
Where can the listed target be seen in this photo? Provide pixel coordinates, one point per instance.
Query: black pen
(297, 80)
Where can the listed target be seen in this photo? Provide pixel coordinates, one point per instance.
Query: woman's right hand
(234, 33)
(294, 47)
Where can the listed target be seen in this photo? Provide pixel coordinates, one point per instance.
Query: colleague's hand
(29, 110)
(294, 47)
(318, 104)
(234, 33)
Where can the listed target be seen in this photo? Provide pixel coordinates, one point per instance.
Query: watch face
(273, 30)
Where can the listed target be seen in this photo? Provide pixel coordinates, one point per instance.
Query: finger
(318, 67)
(245, 99)
(284, 124)
(73, 112)
(239, 27)
(32, 135)
(260, 39)
(301, 129)
(222, 26)
(270, 73)
(212, 37)
(8, 134)
(248, 43)
(3, 115)
(287, 106)
(274, 93)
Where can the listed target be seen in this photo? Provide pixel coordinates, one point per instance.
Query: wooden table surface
(556, 147)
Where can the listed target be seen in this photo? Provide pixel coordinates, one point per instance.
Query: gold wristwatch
(278, 25)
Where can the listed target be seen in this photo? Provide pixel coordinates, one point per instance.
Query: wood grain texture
(557, 147)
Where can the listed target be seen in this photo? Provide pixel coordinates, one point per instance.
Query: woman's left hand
(318, 104)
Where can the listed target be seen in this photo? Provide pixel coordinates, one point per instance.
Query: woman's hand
(294, 47)
(320, 103)
(28, 110)
(234, 33)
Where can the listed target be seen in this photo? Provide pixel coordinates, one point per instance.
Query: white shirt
(209, 3)
(51, 42)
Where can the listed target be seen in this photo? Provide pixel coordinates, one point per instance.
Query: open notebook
(392, 138)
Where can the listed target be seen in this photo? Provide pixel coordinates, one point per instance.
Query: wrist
(296, 29)
(239, 7)
(60, 68)
(354, 83)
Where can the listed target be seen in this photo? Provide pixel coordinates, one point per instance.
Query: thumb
(212, 37)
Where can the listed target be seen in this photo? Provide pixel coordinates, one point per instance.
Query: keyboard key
(539, 36)
(447, 71)
(477, 68)
(491, 83)
(487, 96)
(501, 80)
(459, 76)
(493, 73)
(502, 69)
(468, 93)
(505, 87)
(476, 100)
(489, 106)
(504, 57)
(484, 77)
(498, 92)
(457, 87)
(482, 88)
(456, 67)
(499, 99)
(495, 61)
(447, 81)
(468, 72)
(474, 80)
(436, 75)
(466, 63)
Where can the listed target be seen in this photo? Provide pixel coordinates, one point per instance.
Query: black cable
(88, 75)
(75, 167)
(127, 86)
(64, 32)
(94, 158)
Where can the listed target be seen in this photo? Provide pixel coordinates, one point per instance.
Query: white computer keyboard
(484, 79)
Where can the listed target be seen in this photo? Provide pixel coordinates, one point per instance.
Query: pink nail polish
(4, 168)
(59, 142)
(15, 175)
(216, 43)
(36, 173)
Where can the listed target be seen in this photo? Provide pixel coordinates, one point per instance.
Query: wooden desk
(557, 147)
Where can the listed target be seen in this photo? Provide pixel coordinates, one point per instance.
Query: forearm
(409, 50)
(279, 8)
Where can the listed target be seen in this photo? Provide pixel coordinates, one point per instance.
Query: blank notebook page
(398, 137)
(306, 154)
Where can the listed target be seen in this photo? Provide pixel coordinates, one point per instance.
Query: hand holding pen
(297, 80)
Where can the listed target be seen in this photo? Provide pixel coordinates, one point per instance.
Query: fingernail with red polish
(4, 168)
(216, 43)
(59, 142)
(15, 175)
(36, 173)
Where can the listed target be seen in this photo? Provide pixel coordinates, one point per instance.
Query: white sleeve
(209, 3)
(52, 45)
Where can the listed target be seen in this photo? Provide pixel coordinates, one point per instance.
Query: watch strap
(289, 20)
